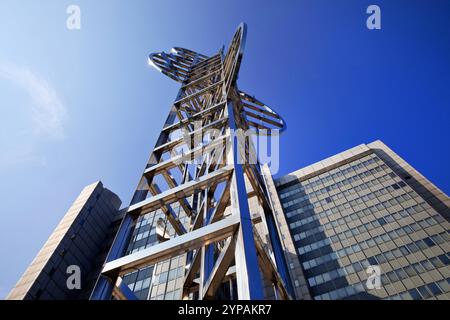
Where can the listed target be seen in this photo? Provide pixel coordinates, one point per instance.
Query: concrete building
(365, 207)
(82, 239)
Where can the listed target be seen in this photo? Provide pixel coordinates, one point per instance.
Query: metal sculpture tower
(197, 179)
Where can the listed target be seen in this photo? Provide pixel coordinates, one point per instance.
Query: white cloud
(28, 120)
(47, 112)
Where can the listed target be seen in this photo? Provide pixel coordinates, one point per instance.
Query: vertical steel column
(249, 282)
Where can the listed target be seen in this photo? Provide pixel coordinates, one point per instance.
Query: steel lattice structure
(217, 234)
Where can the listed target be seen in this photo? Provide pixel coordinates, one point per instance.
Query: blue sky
(80, 106)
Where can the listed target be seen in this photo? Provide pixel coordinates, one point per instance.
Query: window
(422, 245)
(424, 292)
(397, 253)
(434, 289)
(380, 258)
(38, 293)
(172, 274)
(436, 262)
(407, 229)
(415, 294)
(410, 271)
(349, 269)
(429, 242)
(389, 255)
(163, 277)
(405, 296)
(437, 239)
(412, 247)
(357, 266)
(401, 274)
(52, 271)
(427, 265)
(419, 269)
(445, 260)
(392, 276)
(444, 285)
(404, 250)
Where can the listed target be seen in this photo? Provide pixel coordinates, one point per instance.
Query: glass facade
(164, 280)
(361, 214)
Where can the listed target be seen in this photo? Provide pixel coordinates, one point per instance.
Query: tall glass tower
(201, 223)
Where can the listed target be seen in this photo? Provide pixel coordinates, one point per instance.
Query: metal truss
(196, 166)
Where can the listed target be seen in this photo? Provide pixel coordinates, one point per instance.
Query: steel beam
(182, 191)
(176, 246)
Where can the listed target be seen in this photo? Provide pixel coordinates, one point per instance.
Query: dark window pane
(429, 242)
(401, 274)
(404, 250)
(436, 262)
(434, 289)
(424, 292)
(445, 260)
(415, 294)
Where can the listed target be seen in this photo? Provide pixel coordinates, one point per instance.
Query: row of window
(363, 228)
(333, 212)
(139, 281)
(341, 293)
(352, 193)
(356, 181)
(398, 200)
(401, 273)
(333, 178)
(360, 201)
(392, 276)
(170, 295)
(353, 216)
(361, 198)
(415, 269)
(422, 292)
(334, 174)
(154, 284)
(166, 279)
(168, 275)
(325, 277)
(396, 253)
(412, 247)
(393, 234)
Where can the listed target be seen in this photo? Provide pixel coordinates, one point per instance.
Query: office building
(81, 239)
(366, 207)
